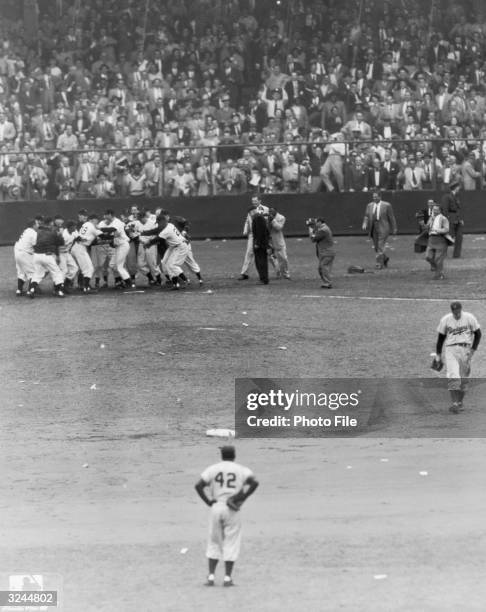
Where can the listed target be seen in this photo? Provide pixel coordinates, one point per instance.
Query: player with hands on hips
(459, 331)
(229, 484)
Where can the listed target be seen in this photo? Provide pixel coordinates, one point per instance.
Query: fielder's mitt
(437, 364)
(355, 270)
(235, 501)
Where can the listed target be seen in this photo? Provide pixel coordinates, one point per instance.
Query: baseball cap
(456, 305)
(228, 452)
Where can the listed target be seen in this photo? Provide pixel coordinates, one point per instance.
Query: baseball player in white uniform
(223, 481)
(121, 244)
(67, 263)
(460, 333)
(147, 251)
(101, 255)
(24, 254)
(176, 253)
(88, 233)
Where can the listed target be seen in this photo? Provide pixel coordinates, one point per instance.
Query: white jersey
(88, 233)
(120, 236)
(458, 331)
(172, 235)
(68, 240)
(140, 227)
(225, 479)
(27, 240)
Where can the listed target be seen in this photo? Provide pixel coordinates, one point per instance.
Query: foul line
(394, 299)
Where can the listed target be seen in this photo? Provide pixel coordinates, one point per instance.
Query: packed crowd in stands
(130, 98)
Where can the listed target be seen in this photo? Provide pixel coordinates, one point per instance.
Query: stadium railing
(37, 173)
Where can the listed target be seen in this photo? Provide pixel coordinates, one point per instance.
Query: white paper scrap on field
(282, 348)
(220, 433)
(424, 473)
(380, 576)
(93, 387)
(184, 550)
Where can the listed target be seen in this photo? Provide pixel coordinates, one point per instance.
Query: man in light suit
(413, 176)
(379, 221)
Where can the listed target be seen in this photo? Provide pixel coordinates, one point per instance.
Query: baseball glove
(355, 270)
(235, 501)
(437, 364)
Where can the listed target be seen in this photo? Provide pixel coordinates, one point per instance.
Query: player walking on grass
(460, 333)
(229, 484)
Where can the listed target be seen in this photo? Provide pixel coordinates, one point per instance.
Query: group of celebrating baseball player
(151, 243)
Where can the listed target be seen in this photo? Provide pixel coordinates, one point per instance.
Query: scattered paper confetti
(102, 346)
(349, 467)
(184, 550)
(178, 400)
(243, 312)
(380, 576)
(211, 328)
(93, 387)
(160, 353)
(384, 460)
(423, 473)
(282, 348)
(208, 291)
(20, 381)
(85, 465)
(245, 324)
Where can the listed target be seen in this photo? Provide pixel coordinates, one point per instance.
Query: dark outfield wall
(223, 217)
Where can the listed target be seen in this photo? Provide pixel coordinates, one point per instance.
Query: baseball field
(106, 400)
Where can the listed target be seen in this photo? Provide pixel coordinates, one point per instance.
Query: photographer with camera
(321, 234)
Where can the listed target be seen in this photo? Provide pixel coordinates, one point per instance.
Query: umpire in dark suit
(261, 243)
(451, 206)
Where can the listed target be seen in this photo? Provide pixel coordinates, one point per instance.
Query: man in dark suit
(392, 168)
(451, 206)
(376, 176)
(379, 221)
(102, 129)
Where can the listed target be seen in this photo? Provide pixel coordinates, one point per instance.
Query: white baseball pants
(68, 266)
(118, 260)
(174, 259)
(224, 539)
(46, 263)
(190, 262)
(147, 260)
(24, 262)
(81, 255)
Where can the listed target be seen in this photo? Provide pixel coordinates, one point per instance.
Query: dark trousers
(261, 264)
(456, 233)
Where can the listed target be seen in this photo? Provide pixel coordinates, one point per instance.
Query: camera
(311, 222)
